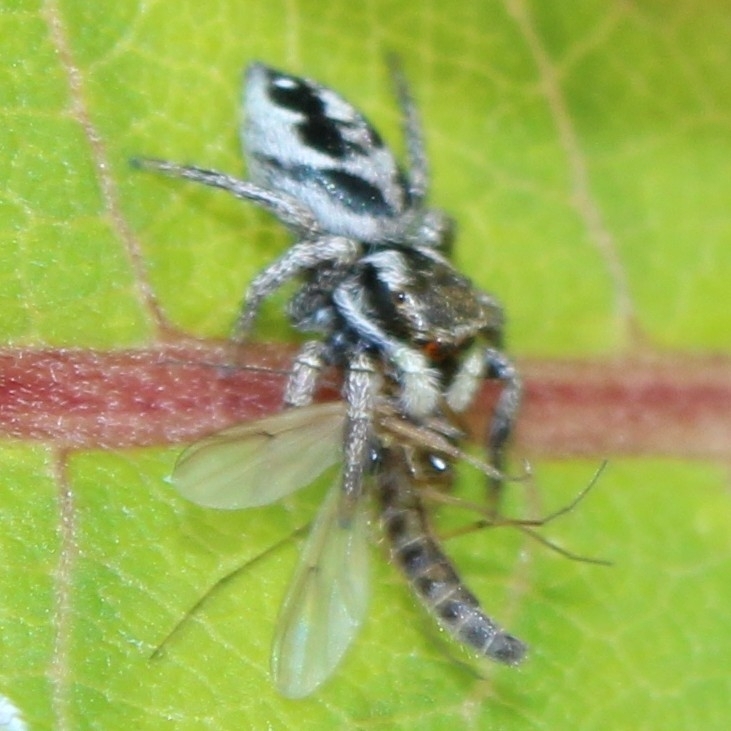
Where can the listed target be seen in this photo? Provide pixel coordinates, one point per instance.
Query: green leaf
(583, 149)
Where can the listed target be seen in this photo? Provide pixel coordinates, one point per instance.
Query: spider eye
(433, 350)
(400, 297)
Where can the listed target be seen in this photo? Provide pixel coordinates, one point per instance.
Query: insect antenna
(440, 441)
(525, 525)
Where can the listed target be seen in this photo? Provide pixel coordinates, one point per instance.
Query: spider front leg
(361, 386)
(498, 365)
(478, 365)
(305, 371)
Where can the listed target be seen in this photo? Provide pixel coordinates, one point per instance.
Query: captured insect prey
(415, 340)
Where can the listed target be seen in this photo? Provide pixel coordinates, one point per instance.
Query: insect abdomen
(429, 571)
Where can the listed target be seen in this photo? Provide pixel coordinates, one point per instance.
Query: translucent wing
(305, 140)
(258, 462)
(325, 603)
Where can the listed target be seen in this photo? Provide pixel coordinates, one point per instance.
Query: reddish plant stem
(174, 394)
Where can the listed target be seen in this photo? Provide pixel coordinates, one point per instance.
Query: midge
(414, 338)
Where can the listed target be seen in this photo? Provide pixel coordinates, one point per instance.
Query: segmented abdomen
(428, 570)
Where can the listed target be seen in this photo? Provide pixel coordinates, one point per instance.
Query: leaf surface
(583, 150)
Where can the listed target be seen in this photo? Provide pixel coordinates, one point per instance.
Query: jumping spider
(413, 336)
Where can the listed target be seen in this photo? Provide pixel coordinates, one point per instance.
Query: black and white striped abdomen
(430, 573)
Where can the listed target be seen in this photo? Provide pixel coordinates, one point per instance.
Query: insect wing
(258, 462)
(325, 603)
(306, 141)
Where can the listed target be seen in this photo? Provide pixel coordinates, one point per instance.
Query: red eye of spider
(433, 350)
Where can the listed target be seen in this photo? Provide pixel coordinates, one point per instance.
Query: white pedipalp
(259, 462)
(420, 383)
(326, 601)
(462, 390)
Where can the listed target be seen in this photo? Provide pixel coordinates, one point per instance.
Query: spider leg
(478, 365)
(303, 256)
(287, 209)
(361, 386)
(430, 227)
(498, 365)
(305, 371)
(314, 248)
(418, 165)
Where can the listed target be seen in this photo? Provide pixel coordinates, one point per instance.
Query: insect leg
(303, 376)
(360, 389)
(302, 256)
